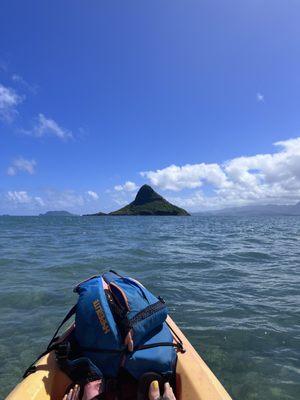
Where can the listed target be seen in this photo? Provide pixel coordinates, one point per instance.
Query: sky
(200, 99)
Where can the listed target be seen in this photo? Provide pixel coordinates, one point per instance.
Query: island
(148, 202)
(57, 214)
(98, 214)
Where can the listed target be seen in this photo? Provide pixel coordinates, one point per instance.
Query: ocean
(232, 284)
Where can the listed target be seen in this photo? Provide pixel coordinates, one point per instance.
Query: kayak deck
(194, 380)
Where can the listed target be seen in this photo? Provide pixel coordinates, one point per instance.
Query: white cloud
(122, 196)
(52, 199)
(39, 201)
(67, 199)
(189, 176)
(127, 187)
(22, 197)
(92, 194)
(19, 197)
(9, 99)
(49, 127)
(260, 97)
(24, 202)
(21, 164)
(261, 178)
(20, 80)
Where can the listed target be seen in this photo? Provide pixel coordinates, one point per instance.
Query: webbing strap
(177, 338)
(159, 344)
(51, 346)
(125, 350)
(32, 368)
(67, 317)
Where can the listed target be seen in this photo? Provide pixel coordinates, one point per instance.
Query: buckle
(62, 351)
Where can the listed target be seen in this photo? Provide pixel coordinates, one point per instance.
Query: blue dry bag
(119, 323)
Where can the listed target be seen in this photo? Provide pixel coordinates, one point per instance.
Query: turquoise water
(232, 285)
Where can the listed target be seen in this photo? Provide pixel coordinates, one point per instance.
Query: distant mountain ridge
(57, 214)
(267, 209)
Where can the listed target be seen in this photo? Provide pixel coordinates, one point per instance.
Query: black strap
(67, 317)
(125, 349)
(32, 368)
(116, 273)
(177, 338)
(51, 346)
(158, 344)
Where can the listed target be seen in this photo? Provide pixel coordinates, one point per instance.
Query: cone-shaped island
(148, 202)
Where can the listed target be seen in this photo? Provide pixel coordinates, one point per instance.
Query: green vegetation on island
(98, 214)
(57, 214)
(148, 202)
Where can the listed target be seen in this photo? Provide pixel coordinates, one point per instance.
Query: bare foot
(154, 393)
(168, 393)
(73, 393)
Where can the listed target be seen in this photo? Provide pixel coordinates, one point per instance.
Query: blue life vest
(109, 308)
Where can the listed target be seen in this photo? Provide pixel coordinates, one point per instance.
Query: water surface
(231, 283)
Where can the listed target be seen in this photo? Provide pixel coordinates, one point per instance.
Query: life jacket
(112, 308)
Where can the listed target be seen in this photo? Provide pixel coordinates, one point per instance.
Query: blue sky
(99, 97)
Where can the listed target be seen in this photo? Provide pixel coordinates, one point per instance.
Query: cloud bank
(25, 202)
(22, 198)
(261, 178)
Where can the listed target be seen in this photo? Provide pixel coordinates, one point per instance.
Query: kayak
(194, 379)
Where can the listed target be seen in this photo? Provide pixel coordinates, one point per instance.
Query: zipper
(146, 312)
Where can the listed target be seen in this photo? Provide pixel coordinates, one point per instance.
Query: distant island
(257, 210)
(147, 202)
(57, 214)
(98, 214)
